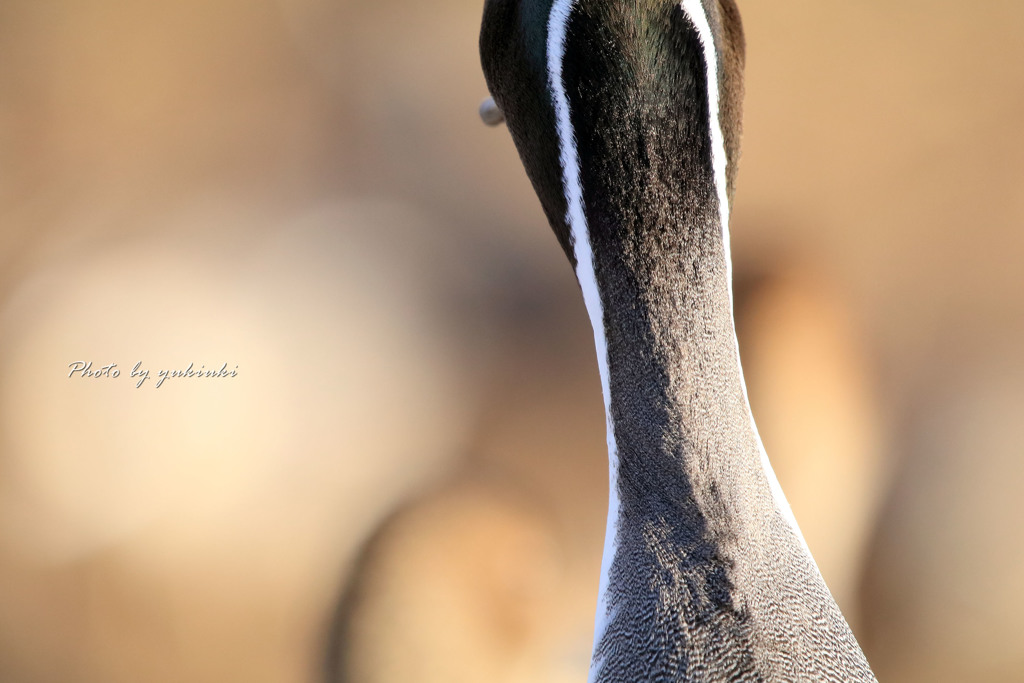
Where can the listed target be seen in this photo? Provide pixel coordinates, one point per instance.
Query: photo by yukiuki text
(138, 373)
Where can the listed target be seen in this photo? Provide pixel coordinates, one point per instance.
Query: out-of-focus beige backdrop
(406, 478)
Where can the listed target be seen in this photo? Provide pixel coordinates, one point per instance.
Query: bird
(627, 118)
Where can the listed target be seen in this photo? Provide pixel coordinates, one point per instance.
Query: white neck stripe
(558, 22)
(695, 11)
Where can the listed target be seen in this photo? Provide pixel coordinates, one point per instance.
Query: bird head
(626, 80)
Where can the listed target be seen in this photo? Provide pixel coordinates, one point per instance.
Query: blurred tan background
(407, 478)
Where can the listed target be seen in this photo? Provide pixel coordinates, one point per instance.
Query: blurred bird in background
(407, 476)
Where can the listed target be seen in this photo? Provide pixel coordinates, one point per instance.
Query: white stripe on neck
(558, 22)
(695, 11)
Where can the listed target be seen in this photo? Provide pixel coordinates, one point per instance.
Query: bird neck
(680, 428)
(700, 542)
(644, 178)
(701, 550)
(692, 515)
(690, 491)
